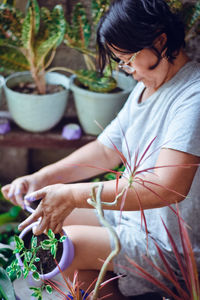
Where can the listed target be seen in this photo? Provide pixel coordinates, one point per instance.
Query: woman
(147, 40)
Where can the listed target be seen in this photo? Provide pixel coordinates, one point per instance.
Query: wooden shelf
(52, 139)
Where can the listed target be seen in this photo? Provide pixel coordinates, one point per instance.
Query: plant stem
(89, 63)
(95, 201)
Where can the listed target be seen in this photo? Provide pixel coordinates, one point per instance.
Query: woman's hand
(56, 204)
(21, 186)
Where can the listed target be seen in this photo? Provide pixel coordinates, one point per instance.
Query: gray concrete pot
(100, 107)
(36, 113)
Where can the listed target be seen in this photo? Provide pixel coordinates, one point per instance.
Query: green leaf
(78, 33)
(33, 242)
(35, 9)
(27, 31)
(95, 82)
(8, 269)
(11, 25)
(48, 289)
(59, 22)
(28, 256)
(63, 238)
(50, 234)
(37, 259)
(19, 274)
(13, 60)
(51, 33)
(33, 268)
(6, 252)
(54, 250)
(36, 276)
(175, 5)
(99, 7)
(46, 244)
(25, 272)
(14, 211)
(6, 288)
(110, 176)
(19, 243)
(31, 25)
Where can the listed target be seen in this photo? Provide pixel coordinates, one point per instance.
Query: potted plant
(36, 100)
(96, 97)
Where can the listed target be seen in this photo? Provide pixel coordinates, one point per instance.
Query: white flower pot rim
(21, 74)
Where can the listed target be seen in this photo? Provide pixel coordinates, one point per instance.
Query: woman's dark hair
(133, 25)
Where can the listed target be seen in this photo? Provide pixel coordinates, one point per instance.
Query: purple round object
(71, 131)
(65, 261)
(4, 125)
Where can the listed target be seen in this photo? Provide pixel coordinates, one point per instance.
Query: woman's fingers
(36, 195)
(5, 190)
(42, 226)
(19, 195)
(58, 228)
(14, 192)
(31, 219)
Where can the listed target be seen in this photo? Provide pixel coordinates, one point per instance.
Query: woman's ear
(161, 41)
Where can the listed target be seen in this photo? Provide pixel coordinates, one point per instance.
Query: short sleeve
(183, 133)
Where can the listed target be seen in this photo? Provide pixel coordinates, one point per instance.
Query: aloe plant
(79, 36)
(29, 42)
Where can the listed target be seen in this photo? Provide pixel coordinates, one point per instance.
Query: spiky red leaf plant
(186, 264)
(74, 288)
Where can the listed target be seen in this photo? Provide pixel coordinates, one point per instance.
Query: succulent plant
(29, 42)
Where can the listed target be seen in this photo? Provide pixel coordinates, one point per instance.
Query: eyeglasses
(125, 65)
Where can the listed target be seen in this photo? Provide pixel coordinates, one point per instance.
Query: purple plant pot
(65, 261)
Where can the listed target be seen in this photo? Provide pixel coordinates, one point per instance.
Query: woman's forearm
(88, 161)
(137, 195)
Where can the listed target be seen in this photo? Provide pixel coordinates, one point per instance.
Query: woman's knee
(91, 245)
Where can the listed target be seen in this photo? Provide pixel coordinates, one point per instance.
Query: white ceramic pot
(101, 107)
(36, 113)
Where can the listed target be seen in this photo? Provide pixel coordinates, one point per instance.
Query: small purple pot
(65, 261)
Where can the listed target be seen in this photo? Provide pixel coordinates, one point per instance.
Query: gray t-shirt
(172, 115)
